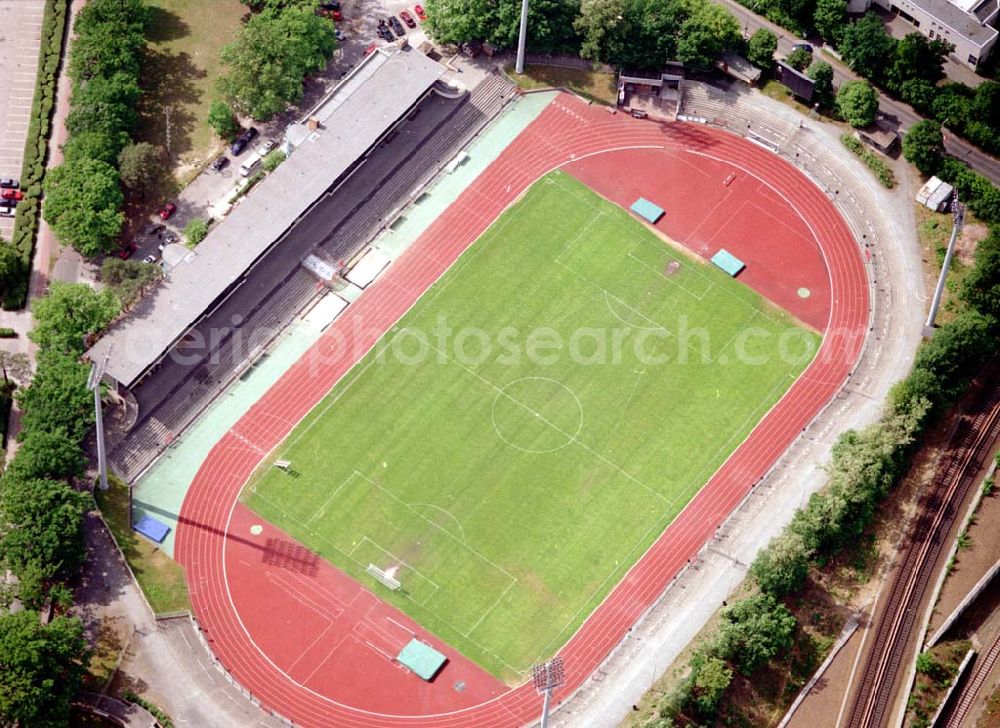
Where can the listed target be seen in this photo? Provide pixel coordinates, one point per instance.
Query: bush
(36, 143)
(857, 102)
(872, 160)
(195, 231)
(6, 333)
(272, 160)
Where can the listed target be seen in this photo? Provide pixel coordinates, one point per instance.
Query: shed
(798, 83)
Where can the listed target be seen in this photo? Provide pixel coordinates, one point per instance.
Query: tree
(917, 57)
(107, 105)
(11, 271)
(822, 73)
(58, 398)
(986, 104)
(94, 144)
(703, 37)
(270, 57)
(69, 313)
(110, 38)
(829, 18)
(761, 47)
(129, 279)
(82, 201)
(981, 285)
(48, 455)
(141, 166)
(857, 102)
(781, 568)
(222, 120)
(799, 59)
(866, 47)
(753, 630)
(710, 678)
(195, 231)
(551, 23)
(919, 93)
(42, 526)
(923, 146)
(41, 668)
(632, 33)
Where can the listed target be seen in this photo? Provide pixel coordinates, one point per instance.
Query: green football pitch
(524, 433)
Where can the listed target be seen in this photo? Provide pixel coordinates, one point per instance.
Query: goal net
(386, 577)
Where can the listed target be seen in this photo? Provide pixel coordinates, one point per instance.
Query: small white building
(969, 25)
(935, 194)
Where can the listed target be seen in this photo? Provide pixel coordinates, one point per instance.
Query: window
(973, 60)
(932, 35)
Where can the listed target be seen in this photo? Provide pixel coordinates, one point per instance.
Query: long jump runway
(314, 646)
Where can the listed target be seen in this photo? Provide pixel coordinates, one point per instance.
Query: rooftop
(959, 17)
(352, 118)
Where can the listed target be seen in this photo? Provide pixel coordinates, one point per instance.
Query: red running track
(567, 130)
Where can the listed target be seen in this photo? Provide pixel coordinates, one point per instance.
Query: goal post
(385, 577)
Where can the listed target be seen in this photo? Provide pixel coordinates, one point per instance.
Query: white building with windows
(969, 25)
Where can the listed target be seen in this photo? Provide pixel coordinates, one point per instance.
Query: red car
(12, 194)
(408, 19)
(169, 209)
(419, 10)
(127, 251)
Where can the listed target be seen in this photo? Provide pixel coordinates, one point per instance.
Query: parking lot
(20, 37)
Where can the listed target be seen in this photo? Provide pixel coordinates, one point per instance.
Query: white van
(251, 165)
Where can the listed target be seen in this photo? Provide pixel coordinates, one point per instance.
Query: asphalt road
(902, 113)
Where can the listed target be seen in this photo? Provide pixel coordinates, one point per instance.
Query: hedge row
(36, 146)
(872, 160)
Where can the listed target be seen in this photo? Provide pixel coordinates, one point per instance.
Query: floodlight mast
(94, 385)
(958, 219)
(546, 678)
(522, 38)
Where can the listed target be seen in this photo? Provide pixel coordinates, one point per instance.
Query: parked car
(804, 46)
(151, 258)
(334, 15)
(221, 163)
(9, 194)
(408, 19)
(8, 183)
(126, 251)
(384, 32)
(265, 146)
(334, 5)
(421, 13)
(249, 134)
(7, 212)
(397, 27)
(340, 35)
(169, 209)
(237, 147)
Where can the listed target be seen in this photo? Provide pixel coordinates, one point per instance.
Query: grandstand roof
(351, 119)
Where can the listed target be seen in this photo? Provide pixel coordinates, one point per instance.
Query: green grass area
(519, 439)
(179, 73)
(160, 577)
(594, 85)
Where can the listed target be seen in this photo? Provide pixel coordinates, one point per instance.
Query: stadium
(525, 425)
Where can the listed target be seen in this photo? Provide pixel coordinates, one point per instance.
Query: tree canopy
(58, 398)
(41, 668)
(761, 48)
(41, 525)
(866, 47)
(141, 166)
(129, 279)
(222, 120)
(82, 204)
(753, 630)
(550, 23)
(48, 455)
(822, 73)
(799, 59)
(857, 102)
(923, 146)
(69, 313)
(269, 59)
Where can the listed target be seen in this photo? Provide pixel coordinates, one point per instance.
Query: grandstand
(350, 210)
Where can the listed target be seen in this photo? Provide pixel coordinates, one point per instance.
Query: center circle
(537, 414)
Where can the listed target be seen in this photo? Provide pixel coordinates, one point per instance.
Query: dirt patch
(970, 237)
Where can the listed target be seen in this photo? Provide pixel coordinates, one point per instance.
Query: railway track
(962, 702)
(971, 442)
